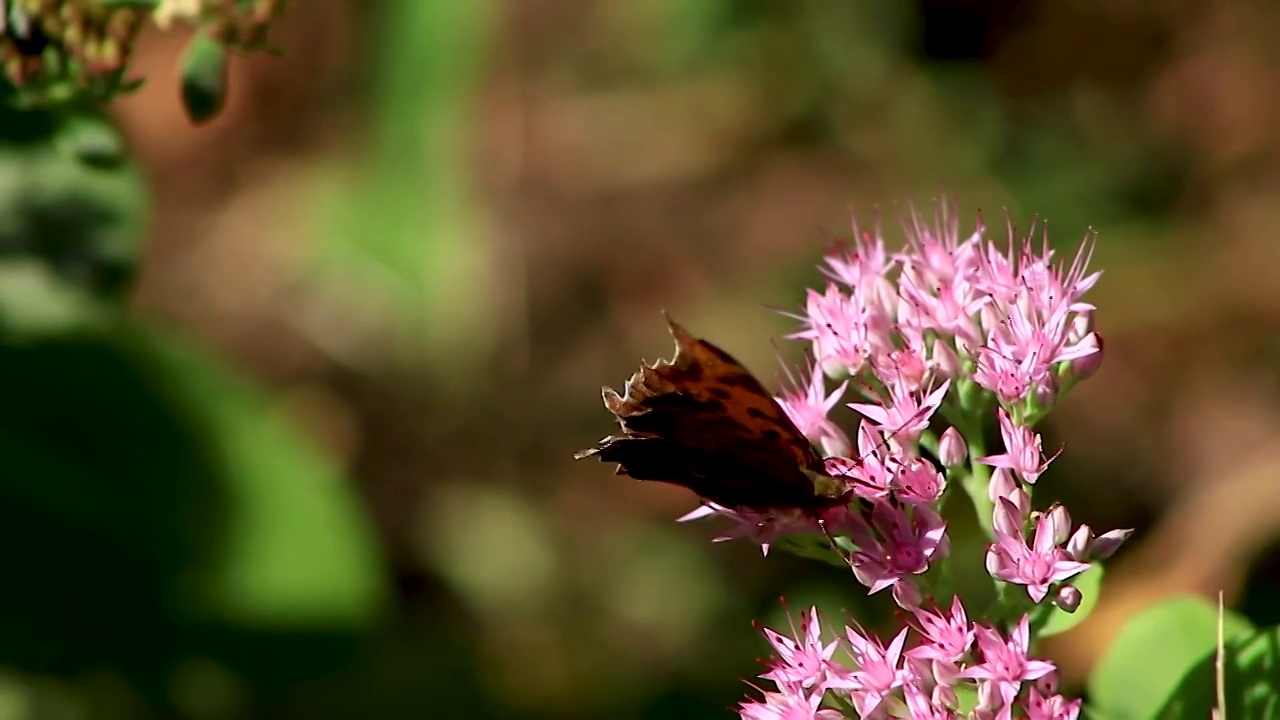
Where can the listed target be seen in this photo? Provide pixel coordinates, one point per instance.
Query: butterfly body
(702, 421)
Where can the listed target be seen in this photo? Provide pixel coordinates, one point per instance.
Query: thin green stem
(975, 481)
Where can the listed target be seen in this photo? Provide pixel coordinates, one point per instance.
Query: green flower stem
(978, 477)
(975, 483)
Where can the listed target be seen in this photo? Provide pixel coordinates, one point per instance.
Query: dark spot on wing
(720, 393)
(716, 405)
(691, 372)
(743, 381)
(757, 414)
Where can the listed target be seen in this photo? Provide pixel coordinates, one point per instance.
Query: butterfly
(702, 421)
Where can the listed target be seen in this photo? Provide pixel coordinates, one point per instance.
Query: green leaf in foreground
(1161, 665)
(1253, 675)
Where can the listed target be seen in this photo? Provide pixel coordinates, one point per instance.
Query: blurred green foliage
(176, 546)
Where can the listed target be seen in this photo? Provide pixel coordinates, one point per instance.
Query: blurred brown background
(433, 230)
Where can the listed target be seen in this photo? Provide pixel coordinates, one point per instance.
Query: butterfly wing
(702, 421)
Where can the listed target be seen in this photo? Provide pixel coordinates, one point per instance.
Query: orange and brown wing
(702, 421)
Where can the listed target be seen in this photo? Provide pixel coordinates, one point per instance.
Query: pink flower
(936, 282)
(872, 473)
(788, 706)
(1083, 546)
(1008, 378)
(947, 635)
(1022, 451)
(1005, 663)
(763, 528)
(917, 482)
(808, 404)
(1050, 707)
(922, 707)
(862, 266)
(1037, 566)
(908, 366)
(903, 415)
(899, 543)
(877, 674)
(804, 662)
(842, 333)
(1031, 322)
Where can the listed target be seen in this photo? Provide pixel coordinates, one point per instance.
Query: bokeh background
(325, 470)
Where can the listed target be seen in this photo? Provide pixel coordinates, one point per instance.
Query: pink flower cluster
(935, 339)
(948, 327)
(950, 668)
(1055, 553)
(951, 309)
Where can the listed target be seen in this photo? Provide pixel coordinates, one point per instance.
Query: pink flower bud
(946, 674)
(1108, 542)
(1084, 367)
(1080, 543)
(1002, 485)
(1048, 685)
(1046, 392)
(1008, 519)
(1068, 598)
(989, 696)
(993, 561)
(1021, 500)
(944, 358)
(906, 594)
(1081, 326)
(1060, 523)
(951, 448)
(945, 696)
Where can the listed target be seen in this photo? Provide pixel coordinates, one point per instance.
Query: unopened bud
(1007, 519)
(1084, 367)
(1080, 544)
(1068, 598)
(946, 674)
(1060, 523)
(945, 359)
(1002, 484)
(906, 594)
(944, 696)
(1048, 685)
(1045, 392)
(951, 448)
(989, 696)
(1108, 542)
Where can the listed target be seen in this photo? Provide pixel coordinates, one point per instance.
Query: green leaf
(153, 506)
(73, 210)
(1252, 674)
(1089, 583)
(299, 550)
(1161, 665)
(204, 78)
(91, 140)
